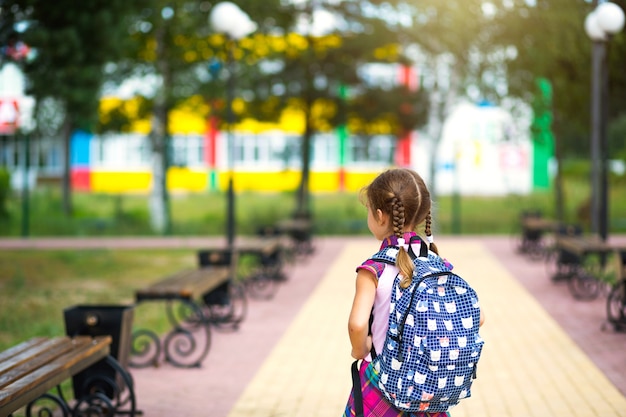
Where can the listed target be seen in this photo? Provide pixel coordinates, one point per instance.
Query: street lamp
(227, 18)
(605, 20)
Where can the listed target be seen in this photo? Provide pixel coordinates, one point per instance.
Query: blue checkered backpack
(429, 359)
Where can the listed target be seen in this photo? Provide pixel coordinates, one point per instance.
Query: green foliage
(401, 108)
(577, 170)
(561, 52)
(73, 40)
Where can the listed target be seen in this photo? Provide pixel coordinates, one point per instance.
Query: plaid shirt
(375, 405)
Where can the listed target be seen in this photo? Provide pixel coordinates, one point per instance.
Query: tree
(450, 43)
(560, 52)
(313, 67)
(496, 50)
(73, 42)
(174, 43)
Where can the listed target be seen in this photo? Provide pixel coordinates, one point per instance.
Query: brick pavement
(546, 354)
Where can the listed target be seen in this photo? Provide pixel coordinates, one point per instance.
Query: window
(267, 151)
(121, 151)
(48, 157)
(325, 153)
(371, 150)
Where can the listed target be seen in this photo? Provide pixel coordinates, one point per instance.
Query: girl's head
(402, 195)
(399, 200)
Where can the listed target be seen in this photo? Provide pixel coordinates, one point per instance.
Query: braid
(397, 212)
(403, 261)
(429, 233)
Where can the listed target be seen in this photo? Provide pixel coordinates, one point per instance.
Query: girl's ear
(381, 217)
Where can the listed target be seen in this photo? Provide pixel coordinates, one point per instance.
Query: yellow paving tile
(530, 366)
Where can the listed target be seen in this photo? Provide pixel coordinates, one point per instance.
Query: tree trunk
(159, 198)
(559, 193)
(66, 185)
(441, 103)
(158, 201)
(303, 195)
(435, 127)
(303, 198)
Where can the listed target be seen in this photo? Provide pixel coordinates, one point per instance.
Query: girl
(397, 201)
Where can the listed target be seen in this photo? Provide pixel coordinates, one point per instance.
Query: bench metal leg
(582, 282)
(616, 306)
(146, 349)
(191, 331)
(531, 243)
(583, 285)
(47, 404)
(108, 396)
(102, 395)
(561, 265)
(227, 306)
(263, 283)
(184, 346)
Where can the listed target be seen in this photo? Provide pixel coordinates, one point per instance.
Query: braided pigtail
(429, 234)
(403, 261)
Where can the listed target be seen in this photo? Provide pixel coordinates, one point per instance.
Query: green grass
(334, 213)
(36, 286)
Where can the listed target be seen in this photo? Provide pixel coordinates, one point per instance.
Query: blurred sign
(9, 116)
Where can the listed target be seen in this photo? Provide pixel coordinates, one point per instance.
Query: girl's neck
(393, 239)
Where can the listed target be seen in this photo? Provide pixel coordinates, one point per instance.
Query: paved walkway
(545, 354)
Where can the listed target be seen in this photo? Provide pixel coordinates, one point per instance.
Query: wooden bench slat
(265, 246)
(29, 354)
(581, 245)
(289, 225)
(187, 284)
(33, 358)
(84, 353)
(17, 349)
(540, 224)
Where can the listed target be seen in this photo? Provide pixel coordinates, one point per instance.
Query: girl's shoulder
(375, 267)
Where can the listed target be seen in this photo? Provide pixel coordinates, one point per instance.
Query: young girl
(397, 201)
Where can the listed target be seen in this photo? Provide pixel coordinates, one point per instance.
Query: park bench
(31, 370)
(583, 245)
(534, 227)
(582, 260)
(188, 296)
(301, 233)
(197, 299)
(268, 255)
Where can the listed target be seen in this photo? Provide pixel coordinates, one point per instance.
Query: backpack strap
(423, 248)
(386, 255)
(357, 393)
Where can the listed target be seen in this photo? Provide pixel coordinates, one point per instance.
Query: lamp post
(227, 18)
(605, 20)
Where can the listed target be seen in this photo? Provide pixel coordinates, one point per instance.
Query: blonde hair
(403, 195)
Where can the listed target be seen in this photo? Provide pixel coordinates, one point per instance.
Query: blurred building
(482, 153)
(479, 153)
